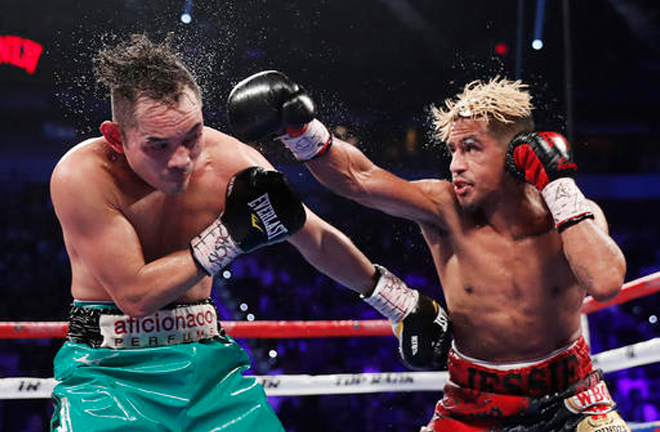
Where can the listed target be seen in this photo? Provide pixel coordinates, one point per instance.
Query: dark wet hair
(142, 68)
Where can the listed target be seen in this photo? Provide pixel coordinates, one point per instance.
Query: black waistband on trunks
(108, 327)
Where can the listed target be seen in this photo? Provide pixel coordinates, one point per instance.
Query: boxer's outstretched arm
(420, 324)
(334, 254)
(596, 260)
(270, 104)
(328, 249)
(347, 171)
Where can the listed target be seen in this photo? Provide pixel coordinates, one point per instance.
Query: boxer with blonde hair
(515, 243)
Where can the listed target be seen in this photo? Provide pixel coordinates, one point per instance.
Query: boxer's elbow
(365, 186)
(349, 183)
(605, 293)
(135, 305)
(133, 309)
(608, 283)
(137, 312)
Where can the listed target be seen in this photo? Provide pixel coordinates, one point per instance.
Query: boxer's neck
(518, 211)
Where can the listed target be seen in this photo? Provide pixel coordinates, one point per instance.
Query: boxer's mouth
(461, 186)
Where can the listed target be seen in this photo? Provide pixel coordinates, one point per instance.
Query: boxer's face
(477, 162)
(166, 142)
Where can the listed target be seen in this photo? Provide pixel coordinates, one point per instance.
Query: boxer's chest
(166, 224)
(534, 260)
(482, 262)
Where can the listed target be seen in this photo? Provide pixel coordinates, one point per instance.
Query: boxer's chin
(469, 203)
(466, 200)
(469, 207)
(175, 187)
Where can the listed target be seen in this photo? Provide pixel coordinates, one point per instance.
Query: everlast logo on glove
(261, 209)
(266, 214)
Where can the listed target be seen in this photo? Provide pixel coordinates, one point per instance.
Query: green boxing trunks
(169, 371)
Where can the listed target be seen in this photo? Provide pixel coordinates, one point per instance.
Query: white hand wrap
(392, 297)
(565, 201)
(313, 141)
(214, 248)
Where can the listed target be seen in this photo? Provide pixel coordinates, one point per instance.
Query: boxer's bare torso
(163, 223)
(510, 297)
(129, 204)
(511, 291)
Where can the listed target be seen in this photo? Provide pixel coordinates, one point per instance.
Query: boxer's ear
(112, 134)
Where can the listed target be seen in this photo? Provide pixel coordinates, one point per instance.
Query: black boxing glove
(260, 209)
(545, 160)
(270, 104)
(420, 324)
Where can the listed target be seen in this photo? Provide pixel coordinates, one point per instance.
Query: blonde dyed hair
(502, 100)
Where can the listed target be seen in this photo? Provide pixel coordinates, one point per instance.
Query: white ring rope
(306, 385)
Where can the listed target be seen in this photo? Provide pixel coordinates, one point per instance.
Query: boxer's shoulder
(228, 150)
(226, 155)
(217, 141)
(90, 167)
(436, 189)
(441, 192)
(82, 152)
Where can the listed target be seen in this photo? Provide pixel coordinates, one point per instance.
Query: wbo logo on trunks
(165, 327)
(595, 400)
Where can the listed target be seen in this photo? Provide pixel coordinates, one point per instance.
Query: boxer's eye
(192, 142)
(159, 146)
(470, 145)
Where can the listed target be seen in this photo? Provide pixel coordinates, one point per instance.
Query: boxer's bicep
(101, 235)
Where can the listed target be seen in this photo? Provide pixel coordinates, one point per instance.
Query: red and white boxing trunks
(560, 393)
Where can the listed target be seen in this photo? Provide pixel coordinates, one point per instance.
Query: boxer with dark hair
(150, 212)
(515, 243)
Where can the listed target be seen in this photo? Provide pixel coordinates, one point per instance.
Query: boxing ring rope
(309, 385)
(315, 329)
(638, 354)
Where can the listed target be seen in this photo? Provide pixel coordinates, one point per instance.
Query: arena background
(374, 66)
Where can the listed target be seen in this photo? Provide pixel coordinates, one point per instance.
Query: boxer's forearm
(156, 284)
(596, 260)
(341, 260)
(348, 172)
(335, 255)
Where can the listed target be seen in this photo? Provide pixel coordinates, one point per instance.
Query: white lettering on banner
(29, 386)
(391, 379)
(26, 388)
(165, 327)
(350, 380)
(265, 210)
(269, 383)
(595, 400)
(374, 379)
